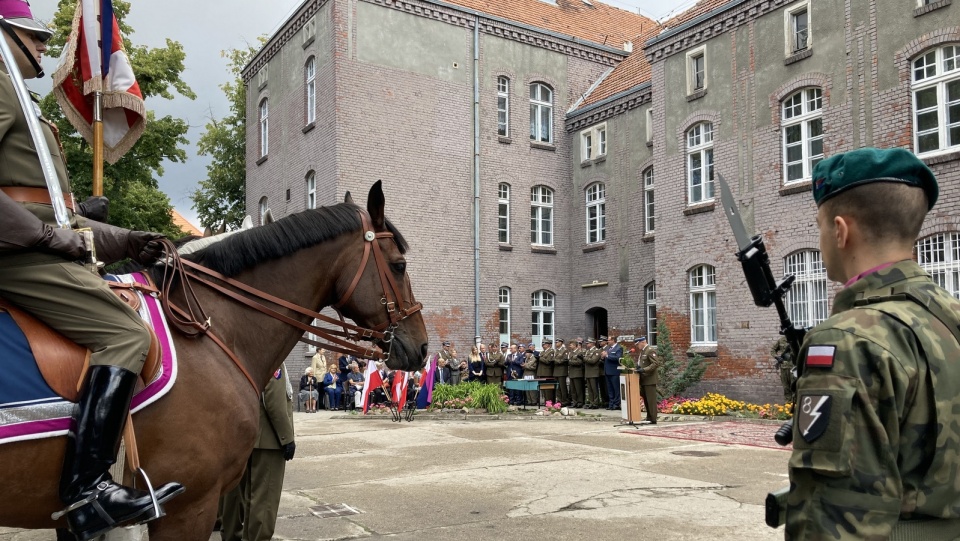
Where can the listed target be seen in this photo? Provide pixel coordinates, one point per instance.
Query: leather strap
(23, 194)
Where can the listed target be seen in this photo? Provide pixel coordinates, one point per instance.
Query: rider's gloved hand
(64, 241)
(144, 246)
(289, 450)
(96, 208)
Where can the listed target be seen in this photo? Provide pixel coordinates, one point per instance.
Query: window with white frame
(586, 145)
(703, 306)
(700, 163)
(541, 113)
(311, 179)
(601, 138)
(311, 348)
(263, 209)
(503, 213)
(802, 121)
(504, 314)
(807, 298)
(596, 213)
(649, 126)
(541, 304)
(939, 255)
(541, 216)
(936, 100)
(503, 106)
(797, 27)
(696, 70)
(264, 131)
(310, 77)
(650, 293)
(648, 210)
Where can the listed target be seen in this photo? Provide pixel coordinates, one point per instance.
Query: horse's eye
(400, 267)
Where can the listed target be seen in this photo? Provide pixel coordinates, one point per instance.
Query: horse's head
(379, 295)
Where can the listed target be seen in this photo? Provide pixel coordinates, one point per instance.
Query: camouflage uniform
(784, 356)
(877, 432)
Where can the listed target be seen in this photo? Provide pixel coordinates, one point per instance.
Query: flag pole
(97, 143)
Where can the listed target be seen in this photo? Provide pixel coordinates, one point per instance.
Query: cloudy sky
(207, 27)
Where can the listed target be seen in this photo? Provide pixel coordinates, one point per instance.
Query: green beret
(841, 172)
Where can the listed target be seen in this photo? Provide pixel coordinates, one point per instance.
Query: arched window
(263, 209)
(807, 298)
(310, 77)
(648, 210)
(311, 190)
(264, 125)
(802, 134)
(541, 113)
(596, 213)
(503, 106)
(504, 314)
(936, 100)
(541, 216)
(703, 305)
(541, 304)
(939, 255)
(650, 294)
(700, 163)
(503, 213)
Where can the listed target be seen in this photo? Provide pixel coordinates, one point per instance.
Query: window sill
(798, 56)
(308, 41)
(543, 250)
(309, 127)
(594, 247)
(543, 146)
(600, 159)
(261, 160)
(649, 144)
(796, 187)
(586, 163)
(504, 140)
(506, 248)
(697, 95)
(941, 158)
(699, 208)
(923, 10)
(704, 350)
(647, 237)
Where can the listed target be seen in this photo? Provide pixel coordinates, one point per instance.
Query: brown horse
(203, 430)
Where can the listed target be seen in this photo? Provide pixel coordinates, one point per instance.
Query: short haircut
(887, 212)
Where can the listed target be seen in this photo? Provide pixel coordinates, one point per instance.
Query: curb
(479, 417)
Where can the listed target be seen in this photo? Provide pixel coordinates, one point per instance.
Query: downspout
(476, 176)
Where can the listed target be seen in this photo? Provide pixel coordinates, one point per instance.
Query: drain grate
(695, 453)
(328, 510)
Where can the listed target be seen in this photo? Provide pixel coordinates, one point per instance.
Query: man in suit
(545, 366)
(494, 363)
(443, 373)
(575, 363)
(514, 366)
(592, 372)
(250, 509)
(647, 365)
(611, 356)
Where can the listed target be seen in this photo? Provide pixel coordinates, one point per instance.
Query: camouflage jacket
(877, 427)
(781, 349)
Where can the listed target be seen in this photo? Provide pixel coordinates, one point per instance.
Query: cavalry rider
(39, 272)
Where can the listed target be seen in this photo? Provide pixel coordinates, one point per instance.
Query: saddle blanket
(30, 409)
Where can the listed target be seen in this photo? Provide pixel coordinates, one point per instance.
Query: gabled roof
(184, 225)
(590, 20)
(700, 9)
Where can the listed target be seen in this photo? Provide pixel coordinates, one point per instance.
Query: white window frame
(503, 213)
(703, 305)
(542, 309)
(264, 111)
(695, 84)
(263, 76)
(262, 207)
(503, 106)
(503, 313)
(807, 300)
(541, 216)
(803, 111)
(936, 78)
(649, 126)
(596, 213)
(541, 108)
(593, 142)
(790, 30)
(699, 141)
(311, 180)
(939, 256)
(586, 145)
(650, 312)
(311, 348)
(309, 31)
(310, 88)
(649, 214)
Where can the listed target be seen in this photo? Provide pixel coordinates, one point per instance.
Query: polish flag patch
(821, 356)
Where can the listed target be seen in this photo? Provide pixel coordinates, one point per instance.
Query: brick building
(605, 129)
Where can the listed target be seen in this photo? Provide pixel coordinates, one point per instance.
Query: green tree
(136, 201)
(221, 197)
(676, 376)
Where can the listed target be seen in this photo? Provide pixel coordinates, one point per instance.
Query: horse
(202, 432)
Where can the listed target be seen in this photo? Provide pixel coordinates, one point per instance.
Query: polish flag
(821, 356)
(371, 381)
(400, 381)
(94, 60)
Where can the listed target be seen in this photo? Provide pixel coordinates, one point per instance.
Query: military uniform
(530, 364)
(545, 368)
(561, 360)
(647, 365)
(250, 509)
(593, 372)
(784, 356)
(494, 364)
(575, 362)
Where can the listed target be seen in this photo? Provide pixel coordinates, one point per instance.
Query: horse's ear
(375, 203)
(348, 198)
(268, 217)
(207, 232)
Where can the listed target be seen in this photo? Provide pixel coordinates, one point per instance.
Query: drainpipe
(476, 175)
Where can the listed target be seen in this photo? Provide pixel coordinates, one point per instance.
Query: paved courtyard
(556, 479)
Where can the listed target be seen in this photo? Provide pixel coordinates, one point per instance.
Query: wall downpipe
(476, 177)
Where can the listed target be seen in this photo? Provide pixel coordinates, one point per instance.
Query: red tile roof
(185, 226)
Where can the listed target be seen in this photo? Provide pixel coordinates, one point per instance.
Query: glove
(144, 246)
(288, 451)
(95, 208)
(64, 241)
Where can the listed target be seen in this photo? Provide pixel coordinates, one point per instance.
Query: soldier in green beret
(876, 445)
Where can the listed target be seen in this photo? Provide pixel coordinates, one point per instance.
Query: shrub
(676, 376)
(469, 394)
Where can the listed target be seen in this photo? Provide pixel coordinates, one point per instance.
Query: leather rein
(192, 320)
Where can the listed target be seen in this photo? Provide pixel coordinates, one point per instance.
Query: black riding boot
(92, 447)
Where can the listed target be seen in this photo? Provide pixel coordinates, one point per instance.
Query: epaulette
(903, 293)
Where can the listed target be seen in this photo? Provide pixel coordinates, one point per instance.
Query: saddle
(62, 361)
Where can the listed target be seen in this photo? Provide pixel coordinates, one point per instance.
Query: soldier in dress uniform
(530, 367)
(783, 355)
(876, 437)
(545, 366)
(39, 273)
(494, 363)
(592, 372)
(514, 366)
(576, 359)
(560, 364)
(647, 365)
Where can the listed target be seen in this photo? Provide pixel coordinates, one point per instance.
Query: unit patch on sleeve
(821, 356)
(278, 373)
(813, 418)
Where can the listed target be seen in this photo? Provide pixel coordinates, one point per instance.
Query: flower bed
(714, 404)
(471, 395)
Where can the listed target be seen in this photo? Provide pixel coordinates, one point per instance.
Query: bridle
(193, 321)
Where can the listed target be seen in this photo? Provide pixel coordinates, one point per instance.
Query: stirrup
(157, 511)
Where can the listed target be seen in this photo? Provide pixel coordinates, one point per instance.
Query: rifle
(766, 290)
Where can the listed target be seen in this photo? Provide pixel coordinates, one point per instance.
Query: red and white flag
(94, 60)
(400, 380)
(371, 380)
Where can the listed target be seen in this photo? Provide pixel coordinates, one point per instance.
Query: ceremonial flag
(426, 384)
(400, 380)
(371, 381)
(94, 60)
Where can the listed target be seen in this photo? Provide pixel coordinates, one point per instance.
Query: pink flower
(549, 404)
